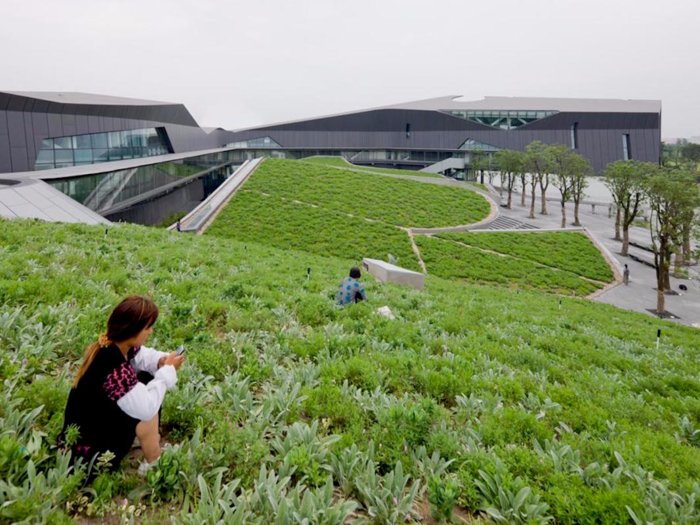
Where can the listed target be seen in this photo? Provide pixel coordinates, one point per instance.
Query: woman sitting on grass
(109, 405)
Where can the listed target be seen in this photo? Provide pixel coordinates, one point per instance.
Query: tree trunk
(532, 203)
(617, 224)
(522, 197)
(563, 214)
(510, 198)
(544, 201)
(660, 301)
(625, 241)
(482, 176)
(576, 221)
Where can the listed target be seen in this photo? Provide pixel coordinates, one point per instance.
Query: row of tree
(539, 166)
(669, 191)
(672, 196)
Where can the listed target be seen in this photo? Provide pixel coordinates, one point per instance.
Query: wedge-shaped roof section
(579, 105)
(73, 97)
(453, 102)
(91, 104)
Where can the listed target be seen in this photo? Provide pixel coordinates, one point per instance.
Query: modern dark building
(118, 156)
(428, 131)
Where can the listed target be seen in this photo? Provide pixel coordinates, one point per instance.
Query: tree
(691, 154)
(558, 161)
(478, 162)
(510, 164)
(626, 181)
(523, 183)
(671, 193)
(580, 171)
(569, 172)
(536, 165)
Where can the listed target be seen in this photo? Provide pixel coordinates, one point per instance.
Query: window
(471, 144)
(259, 142)
(506, 120)
(408, 130)
(574, 136)
(626, 150)
(58, 152)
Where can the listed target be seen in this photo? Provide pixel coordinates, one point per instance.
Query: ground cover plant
(254, 217)
(516, 407)
(571, 251)
(339, 162)
(394, 201)
(452, 260)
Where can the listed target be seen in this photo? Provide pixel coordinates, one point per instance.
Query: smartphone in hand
(180, 350)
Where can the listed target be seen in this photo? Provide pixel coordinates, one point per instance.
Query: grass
(394, 201)
(570, 251)
(450, 260)
(271, 220)
(339, 162)
(563, 401)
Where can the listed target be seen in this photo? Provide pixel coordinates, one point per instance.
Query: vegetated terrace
(286, 206)
(564, 402)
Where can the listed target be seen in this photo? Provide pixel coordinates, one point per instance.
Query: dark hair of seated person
(355, 273)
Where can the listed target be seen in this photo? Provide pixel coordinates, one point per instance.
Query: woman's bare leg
(149, 437)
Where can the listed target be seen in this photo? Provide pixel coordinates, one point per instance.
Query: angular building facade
(424, 132)
(142, 160)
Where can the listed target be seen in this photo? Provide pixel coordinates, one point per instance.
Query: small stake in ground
(560, 304)
(308, 274)
(658, 338)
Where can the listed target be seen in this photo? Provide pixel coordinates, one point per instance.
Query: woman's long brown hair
(130, 316)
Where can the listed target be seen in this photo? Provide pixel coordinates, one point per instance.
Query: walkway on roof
(199, 219)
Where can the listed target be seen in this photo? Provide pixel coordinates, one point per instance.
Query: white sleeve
(146, 360)
(143, 401)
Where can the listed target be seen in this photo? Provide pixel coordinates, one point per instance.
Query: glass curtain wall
(102, 191)
(78, 150)
(505, 120)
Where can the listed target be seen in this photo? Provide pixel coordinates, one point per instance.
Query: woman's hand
(172, 359)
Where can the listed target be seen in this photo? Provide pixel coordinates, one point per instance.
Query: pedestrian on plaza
(626, 275)
(179, 228)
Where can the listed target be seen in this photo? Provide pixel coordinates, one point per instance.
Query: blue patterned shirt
(348, 289)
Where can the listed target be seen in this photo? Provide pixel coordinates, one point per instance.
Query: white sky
(242, 63)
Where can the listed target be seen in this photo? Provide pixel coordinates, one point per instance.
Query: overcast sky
(243, 63)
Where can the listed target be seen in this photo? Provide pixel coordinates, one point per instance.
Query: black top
(92, 407)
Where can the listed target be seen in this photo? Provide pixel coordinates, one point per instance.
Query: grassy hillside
(571, 251)
(269, 219)
(338, 162)
(452, 260)
(474, 392)
(394, 201)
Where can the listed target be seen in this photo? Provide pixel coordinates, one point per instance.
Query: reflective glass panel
(82, 142)
(45, 156)
(63, 143)
(99, 140)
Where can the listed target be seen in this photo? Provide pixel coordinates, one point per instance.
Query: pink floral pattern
(120, 381)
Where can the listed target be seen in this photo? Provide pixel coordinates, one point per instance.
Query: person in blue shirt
(351, 289)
